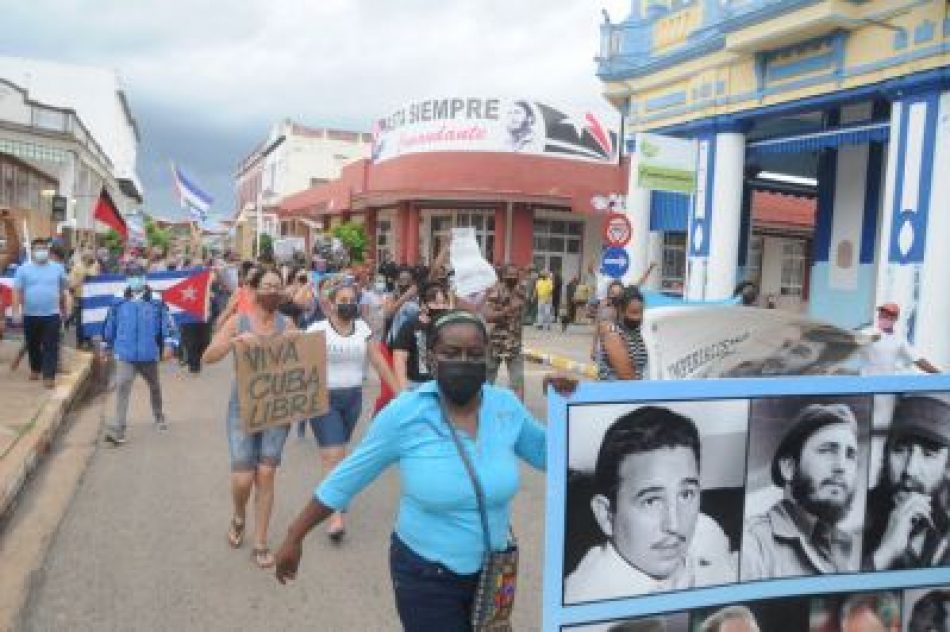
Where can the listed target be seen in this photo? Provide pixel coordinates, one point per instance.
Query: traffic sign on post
(617, 230)
(615, 262)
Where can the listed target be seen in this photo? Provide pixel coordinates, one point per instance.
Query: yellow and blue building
(852, 97)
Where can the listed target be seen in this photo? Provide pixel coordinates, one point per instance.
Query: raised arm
(222, 342)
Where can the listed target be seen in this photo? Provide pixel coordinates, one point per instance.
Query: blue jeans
(335, 428)
(429, 596)
(248, 451)
(42, 343)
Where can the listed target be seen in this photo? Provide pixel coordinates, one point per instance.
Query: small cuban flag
(186, 292)
(191, 196)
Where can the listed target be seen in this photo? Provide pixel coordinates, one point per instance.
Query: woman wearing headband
(348, 349)
(437, 544)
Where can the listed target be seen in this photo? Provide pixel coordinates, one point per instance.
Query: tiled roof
(781, 209)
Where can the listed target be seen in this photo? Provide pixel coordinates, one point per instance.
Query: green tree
(267, 246)
(353, 237)
(157, 237)
(113, 242)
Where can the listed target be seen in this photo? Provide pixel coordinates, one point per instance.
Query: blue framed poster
(816, 504)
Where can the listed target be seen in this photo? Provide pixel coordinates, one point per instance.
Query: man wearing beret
(909, 510)
(816, 466)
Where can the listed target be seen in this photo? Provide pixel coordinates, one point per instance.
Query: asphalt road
(143, 545)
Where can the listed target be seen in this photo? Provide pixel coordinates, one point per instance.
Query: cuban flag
(186, 292)
(191, 196)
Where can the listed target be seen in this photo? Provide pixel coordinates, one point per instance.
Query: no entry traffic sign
(617, 230)
(615, 262)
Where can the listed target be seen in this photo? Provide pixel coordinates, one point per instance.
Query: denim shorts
(250, 450)
(335, 428)
(429, 596)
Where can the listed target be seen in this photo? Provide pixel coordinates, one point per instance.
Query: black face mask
(347, 311)
(632, 324)
(615, 301)
(460, 380)
(511, 283)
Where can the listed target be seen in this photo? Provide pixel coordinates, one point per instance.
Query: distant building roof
(778, 210)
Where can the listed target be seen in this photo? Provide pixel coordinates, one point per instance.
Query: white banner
(496, 125)
(473, 274)
(731, 341)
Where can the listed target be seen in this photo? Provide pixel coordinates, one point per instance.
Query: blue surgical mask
(380, 287)
(41, 255)
(136, 283)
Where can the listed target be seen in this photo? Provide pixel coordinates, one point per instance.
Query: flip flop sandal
(262, 557)
(236, 533)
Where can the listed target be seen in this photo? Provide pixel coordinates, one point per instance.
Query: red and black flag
(580, 136)
(107, 213)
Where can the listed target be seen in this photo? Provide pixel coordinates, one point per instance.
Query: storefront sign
(777, 504)
(614, 262)
(496, 125)
(281, 380)
(617, 230)
(665, 163)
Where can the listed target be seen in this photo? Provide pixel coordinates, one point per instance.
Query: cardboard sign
(281, 380)
(674, 506)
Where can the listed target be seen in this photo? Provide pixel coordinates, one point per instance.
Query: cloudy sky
(206, 79)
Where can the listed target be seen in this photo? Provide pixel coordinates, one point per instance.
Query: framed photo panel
(809, 504)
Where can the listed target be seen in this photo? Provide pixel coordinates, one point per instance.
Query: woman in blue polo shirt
(437, 544)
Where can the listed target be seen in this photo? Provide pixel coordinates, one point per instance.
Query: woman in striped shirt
(623, 354)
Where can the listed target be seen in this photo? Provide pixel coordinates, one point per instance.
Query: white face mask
(41, 255)
(380, 287)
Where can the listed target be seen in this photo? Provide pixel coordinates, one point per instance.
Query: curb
(25, 455)
(560, 362)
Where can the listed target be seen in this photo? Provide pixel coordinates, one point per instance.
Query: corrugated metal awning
(854, 135)
(669, 212)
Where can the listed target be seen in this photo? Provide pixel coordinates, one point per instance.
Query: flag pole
(260, 224)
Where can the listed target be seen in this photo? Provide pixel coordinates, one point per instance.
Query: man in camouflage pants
(504, 310)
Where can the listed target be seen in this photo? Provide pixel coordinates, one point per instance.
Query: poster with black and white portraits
(748, 504)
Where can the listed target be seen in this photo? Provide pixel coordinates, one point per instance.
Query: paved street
(143, 545)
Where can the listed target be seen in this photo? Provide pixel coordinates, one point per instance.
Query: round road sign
(617, 230)
(615, 262)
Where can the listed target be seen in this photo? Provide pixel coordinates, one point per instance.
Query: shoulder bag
(495, 593)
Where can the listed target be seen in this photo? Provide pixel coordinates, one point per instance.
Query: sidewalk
(31, 415)
(568, 351)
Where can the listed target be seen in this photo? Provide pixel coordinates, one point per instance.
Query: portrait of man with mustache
(647, 505)
(908, 512)
(816, 467)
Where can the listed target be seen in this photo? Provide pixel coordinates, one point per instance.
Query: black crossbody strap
(479, 494)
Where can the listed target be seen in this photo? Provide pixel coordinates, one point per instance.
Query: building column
(638, 212)
(400, 231)
(501, 233)
(846, 228)
(412, 233)
(715, 219)
(913, 253)
(369, 225)
(522, 223)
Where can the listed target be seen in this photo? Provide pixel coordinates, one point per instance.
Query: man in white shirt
(890, 352)
(647, 506)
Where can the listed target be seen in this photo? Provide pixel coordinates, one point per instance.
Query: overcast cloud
(207, 79)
